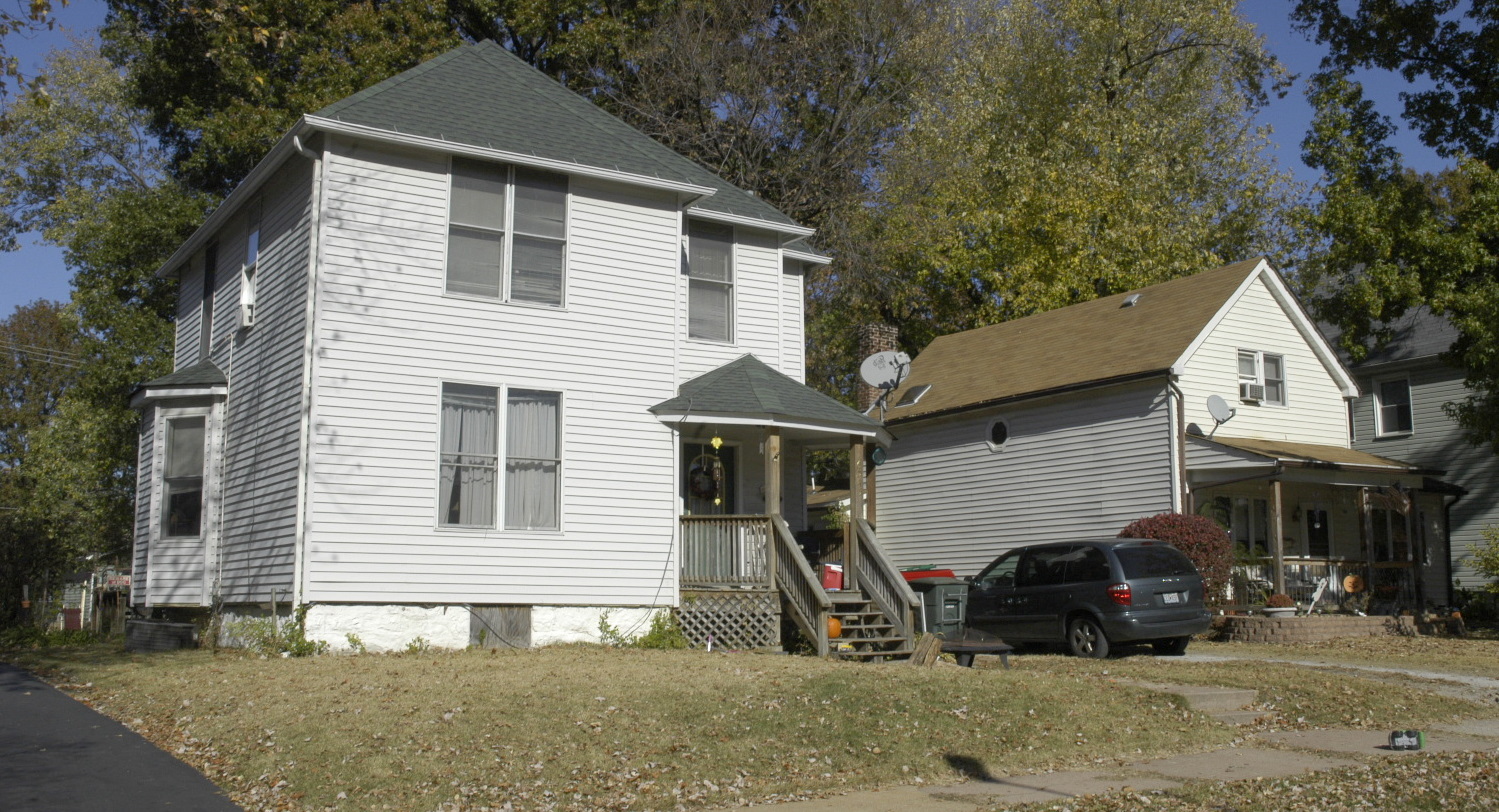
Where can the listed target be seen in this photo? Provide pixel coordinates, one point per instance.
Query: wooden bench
(963, 650)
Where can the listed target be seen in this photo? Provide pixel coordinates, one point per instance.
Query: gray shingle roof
(203, 373)
(1417, 334)
(483, 96)
(746, 386)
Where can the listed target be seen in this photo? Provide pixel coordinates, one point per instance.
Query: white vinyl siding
(145, 489)
(1077, 466)
(1314, 410)
(793, 313)
(1438, 443)
(388, 336)
(264, 367)
(759, 298)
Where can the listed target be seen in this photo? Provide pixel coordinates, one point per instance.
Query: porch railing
(808, 602)
(1384, 584)
(726, 551)
(882, 582)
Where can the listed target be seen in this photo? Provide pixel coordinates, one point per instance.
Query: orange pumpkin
(835, 628)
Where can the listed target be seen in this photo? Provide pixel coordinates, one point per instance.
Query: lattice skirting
(735, 619)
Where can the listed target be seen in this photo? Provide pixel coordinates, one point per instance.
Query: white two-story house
(466, 358)
(1073, 423)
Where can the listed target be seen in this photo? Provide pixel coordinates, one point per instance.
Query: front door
(709, 480)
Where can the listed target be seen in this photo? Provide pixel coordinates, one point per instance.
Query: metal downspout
(304, 450)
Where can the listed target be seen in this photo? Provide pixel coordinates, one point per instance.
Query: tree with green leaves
(1071, 149)
(1390, 240)
(31, 17)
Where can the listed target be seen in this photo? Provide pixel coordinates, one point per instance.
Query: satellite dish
(885, 370)
(1219, 409)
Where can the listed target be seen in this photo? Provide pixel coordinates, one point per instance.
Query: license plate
(1171, 597)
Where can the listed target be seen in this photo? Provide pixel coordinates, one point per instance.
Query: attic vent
(913, 394)
(1131, 300)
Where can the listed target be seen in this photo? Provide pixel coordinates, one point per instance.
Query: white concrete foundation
(385, 627)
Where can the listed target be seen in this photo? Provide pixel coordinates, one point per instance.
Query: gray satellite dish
(1219, 409)
(885, 370)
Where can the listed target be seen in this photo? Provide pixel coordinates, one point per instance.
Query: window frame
(507, 232)
(499, 520)
(730, 285)
(993, 422)
(1261, 377)
(1380, 430)
(163, 482)
(249, 269)
(505, 506)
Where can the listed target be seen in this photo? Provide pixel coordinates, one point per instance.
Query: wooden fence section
(727, 551)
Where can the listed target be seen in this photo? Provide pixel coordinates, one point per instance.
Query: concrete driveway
(57, 753)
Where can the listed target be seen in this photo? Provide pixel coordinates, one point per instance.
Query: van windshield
(1155, 561)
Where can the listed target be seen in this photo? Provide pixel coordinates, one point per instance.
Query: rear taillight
(1121, 594)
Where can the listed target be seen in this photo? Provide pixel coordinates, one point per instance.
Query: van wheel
(1085, 638)
(1171, 646)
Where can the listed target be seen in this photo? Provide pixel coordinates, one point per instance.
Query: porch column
(773, 470)
(1278, 540)
(855, 512)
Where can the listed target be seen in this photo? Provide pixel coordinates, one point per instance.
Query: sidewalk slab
(1488, 728)
(1374, 742)
(1241, 763)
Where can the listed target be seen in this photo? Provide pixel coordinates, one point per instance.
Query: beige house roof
(1313, 455)
(1069, 348)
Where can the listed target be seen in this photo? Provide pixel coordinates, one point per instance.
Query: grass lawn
(1477, 655)
(594, 728)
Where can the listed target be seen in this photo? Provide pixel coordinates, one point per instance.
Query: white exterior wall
(761, 293)
(1076, 466)
(189, 314)
(387, 338)
(145, 488)
(264, 366)
(1315, 411)
(180, 571)
(393, 628)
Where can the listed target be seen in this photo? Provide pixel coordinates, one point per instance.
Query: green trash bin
(944, 605)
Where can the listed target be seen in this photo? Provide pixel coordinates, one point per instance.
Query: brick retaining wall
(1313, 629)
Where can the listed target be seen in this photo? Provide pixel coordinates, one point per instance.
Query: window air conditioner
(1252, 391)
(246, 314)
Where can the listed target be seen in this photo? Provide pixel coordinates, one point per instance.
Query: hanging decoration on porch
(705, 476)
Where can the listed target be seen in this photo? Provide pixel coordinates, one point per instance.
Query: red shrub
(1202, 539)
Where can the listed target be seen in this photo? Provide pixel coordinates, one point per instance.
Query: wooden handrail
(882, 582)
(804, 594)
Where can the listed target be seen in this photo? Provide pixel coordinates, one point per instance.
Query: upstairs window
(1392, 407)
(182, 481)
(507, 233)
(247, 276)
(1262, 377)
(710, 283)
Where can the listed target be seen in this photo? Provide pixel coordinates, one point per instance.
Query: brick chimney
(870, 339)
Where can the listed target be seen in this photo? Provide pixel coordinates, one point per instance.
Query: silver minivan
(1089, 594)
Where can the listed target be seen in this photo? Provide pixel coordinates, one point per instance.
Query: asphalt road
(58, 754)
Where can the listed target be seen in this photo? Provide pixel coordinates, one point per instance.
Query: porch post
(1277, 541)
(855, 512)
(773, 470)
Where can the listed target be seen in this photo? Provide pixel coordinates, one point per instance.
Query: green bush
(264, 635)
(664, 633)
(1203, 541)
(1486, 557)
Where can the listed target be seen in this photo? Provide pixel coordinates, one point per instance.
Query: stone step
(1239, 717)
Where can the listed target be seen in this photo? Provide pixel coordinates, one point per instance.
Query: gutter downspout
(1176, 416)
(304, 441)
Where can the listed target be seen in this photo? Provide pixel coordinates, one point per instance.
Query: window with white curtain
(182, 483)
(470, 456)
(533, 464)
(710, 285)
(507, 233)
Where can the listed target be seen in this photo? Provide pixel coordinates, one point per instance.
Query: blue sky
(37, 271)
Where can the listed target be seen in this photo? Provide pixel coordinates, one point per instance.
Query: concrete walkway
(1312, 750)
(57, 753)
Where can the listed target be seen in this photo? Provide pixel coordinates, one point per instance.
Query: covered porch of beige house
(744, 431)
(1369, 531)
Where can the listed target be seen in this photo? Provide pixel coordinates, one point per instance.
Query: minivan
(1091, 594)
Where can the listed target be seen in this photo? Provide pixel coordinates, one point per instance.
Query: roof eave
(869, 430)
(147, 395)
(792, 230)
(804, 256)
(1040, 393)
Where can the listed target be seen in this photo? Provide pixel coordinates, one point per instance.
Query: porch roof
(746, 391)
(1313, 455)
(200, 379)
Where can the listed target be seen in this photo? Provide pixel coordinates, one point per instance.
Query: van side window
(1002, 573)
(1044, 566)
(1088, 564)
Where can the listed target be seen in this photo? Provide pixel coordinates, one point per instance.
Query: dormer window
(1262, 378)
(507, 233)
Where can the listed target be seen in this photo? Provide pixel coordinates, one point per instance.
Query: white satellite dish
(1218, 408)
(885, 370)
